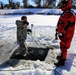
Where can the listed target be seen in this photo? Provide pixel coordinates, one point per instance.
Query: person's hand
(26, 22)
(56, 37)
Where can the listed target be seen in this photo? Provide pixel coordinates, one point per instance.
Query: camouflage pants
(22, 48)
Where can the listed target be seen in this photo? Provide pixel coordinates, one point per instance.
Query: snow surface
(35, 11)
(43, 32)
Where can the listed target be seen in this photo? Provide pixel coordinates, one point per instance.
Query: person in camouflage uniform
(22, 34)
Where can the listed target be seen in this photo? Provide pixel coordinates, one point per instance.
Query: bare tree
(25, 3)
(1, 5)
(6, 6)
(74, 4)
(10, 3)
(45, 3)
(50, 3)
(13, 4)
(17, 4)
(37, 2)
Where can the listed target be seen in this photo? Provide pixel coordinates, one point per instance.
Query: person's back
(21, 30)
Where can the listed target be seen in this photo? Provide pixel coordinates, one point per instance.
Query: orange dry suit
(66, 28)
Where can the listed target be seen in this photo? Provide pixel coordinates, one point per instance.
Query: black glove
(26, 22)
(56, 34)
(61, 35)
(56, 37)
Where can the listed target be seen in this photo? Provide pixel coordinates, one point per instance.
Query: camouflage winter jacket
(21, 29)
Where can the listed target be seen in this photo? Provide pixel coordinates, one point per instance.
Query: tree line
(12, 4)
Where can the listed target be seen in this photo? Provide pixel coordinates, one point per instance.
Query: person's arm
(17, 22)
(69, 24)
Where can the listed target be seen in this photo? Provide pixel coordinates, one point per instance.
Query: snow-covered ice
(43, 32)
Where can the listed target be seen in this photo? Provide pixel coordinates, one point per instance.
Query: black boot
(60, 63)
(59, 57)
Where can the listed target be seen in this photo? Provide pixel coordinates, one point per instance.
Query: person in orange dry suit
(65, 29)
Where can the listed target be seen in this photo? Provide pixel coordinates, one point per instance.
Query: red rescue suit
(66, 28)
